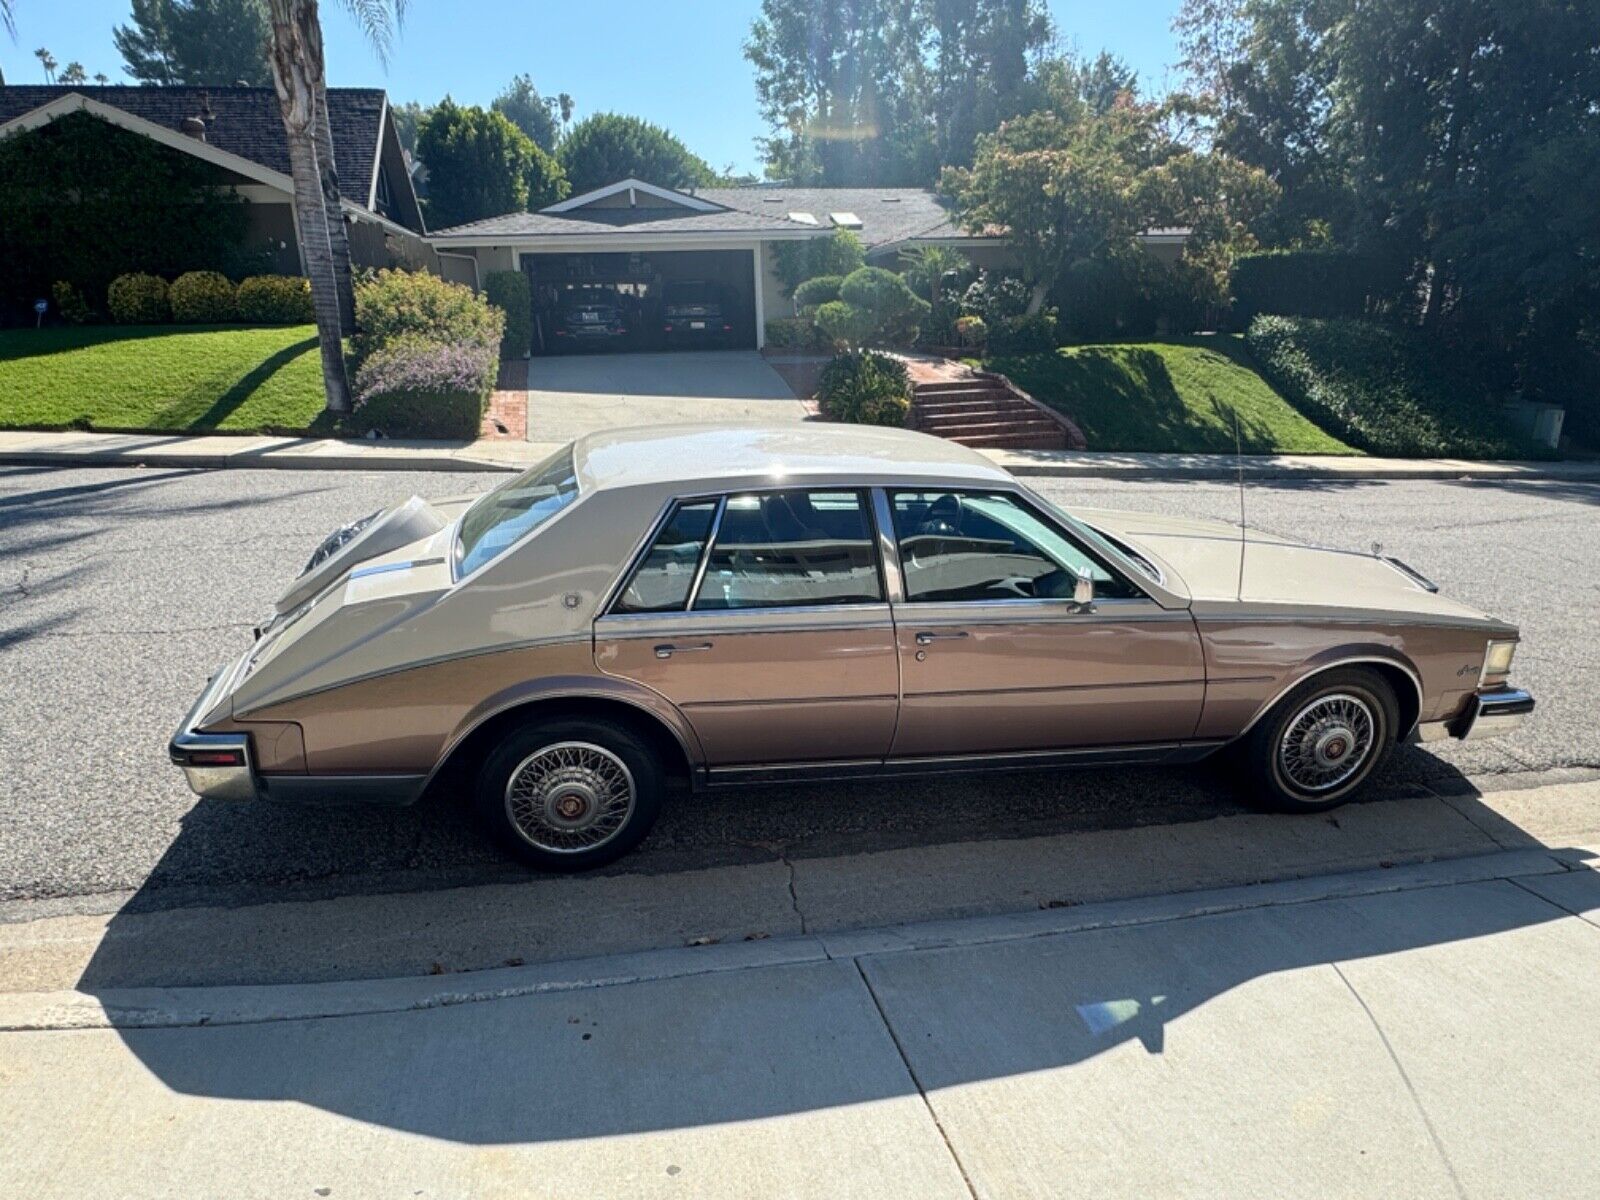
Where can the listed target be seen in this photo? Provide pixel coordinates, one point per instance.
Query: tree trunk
(294, 79)
(328, 172)
(1037, 297)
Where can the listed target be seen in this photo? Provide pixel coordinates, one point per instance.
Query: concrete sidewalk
(1424, 1031)
(32, 448)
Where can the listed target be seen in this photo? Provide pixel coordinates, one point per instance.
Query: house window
(385, 197)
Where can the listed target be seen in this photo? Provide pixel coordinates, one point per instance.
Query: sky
(677, 64)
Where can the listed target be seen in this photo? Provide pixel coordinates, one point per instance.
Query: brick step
(956, 401)
(1013, 441)
(971, 393)
(975, 428)
(955, 385)
(1017, 412)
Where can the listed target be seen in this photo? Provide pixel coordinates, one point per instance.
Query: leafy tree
(73, 72)
(608, 147)
(979, 56)
(536, 115)
(406, 118)
(212, 43)
(478, 164)
(547, 182)
(837, 254)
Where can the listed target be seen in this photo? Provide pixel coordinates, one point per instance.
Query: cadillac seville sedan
(724, 606)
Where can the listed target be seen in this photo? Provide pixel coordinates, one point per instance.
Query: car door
(995, 654)
(762, 615)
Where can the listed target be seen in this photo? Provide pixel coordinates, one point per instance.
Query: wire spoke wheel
(1327, 742)
(570, 797)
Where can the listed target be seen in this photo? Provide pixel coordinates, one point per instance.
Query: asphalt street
(120, 590)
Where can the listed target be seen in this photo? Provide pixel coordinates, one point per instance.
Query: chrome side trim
(1416, 682)
(705, 555)
(232, 782)
(888, 548)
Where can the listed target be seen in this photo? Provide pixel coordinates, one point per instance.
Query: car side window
(662, 580)
(959, 546)
(781, 549)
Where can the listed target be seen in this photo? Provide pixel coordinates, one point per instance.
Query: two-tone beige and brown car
(764, 604)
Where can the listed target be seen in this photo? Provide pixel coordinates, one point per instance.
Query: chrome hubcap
(1327, 742)
(569, 797)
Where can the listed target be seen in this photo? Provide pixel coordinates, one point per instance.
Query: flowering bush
(138, 299)
(416, 387)
(865, 388)
(395, 304)
(275, 300)
(203, 298)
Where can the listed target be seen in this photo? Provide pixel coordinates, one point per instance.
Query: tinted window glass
(514, 508)
(775, 549)
(975, 546)
(661, 582)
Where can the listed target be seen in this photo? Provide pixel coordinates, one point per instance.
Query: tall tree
(606, 147)
(48, 62)
(536, 115)
(478, 164)
(981, 52)
(210, 43)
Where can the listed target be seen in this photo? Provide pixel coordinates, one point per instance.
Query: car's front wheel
(570, 795)
(1321, 742)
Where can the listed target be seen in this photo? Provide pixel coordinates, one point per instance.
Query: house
(633, 237)
(239, 131)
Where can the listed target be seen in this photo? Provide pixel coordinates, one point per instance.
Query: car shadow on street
(709, 1048)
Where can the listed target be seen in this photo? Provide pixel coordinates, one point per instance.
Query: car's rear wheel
(1316, 747)
(570, 795)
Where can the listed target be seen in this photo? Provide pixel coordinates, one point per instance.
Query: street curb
(422, 461)
(165, 1008)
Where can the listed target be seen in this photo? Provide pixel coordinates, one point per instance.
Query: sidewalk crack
(911, 1071)
(794, 897)
(1416, 1100)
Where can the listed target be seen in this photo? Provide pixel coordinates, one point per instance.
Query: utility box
(1541, 422)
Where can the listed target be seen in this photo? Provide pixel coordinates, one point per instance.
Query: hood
(1278, 571)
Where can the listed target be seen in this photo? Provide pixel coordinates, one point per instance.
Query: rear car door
(762, 616)
(997, 657)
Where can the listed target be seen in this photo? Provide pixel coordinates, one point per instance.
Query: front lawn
(162, 379)
(1178, 396)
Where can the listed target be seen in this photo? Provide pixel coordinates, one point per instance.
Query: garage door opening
(620, 303)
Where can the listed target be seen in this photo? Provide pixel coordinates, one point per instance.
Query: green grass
(160, 378)
(1176, 396)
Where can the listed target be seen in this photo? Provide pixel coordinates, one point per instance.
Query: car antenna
(1238, 459)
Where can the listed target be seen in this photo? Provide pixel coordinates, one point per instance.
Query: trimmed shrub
(393, 304)
(1383, 390)
(1025, 335)
(274, 300)
(972, 330)
(70, 304)
(414, 387)
(203, 298)
(996, 298)
(1303, 283)
(509, 292)
(138, 299)
(791, 333)
(843, 324)
(865, 388)
(815, 292)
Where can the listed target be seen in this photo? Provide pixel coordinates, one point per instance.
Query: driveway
(574, 395)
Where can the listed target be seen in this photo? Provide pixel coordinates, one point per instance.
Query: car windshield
(513, 509)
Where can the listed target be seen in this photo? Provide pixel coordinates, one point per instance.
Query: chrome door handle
(668, 650)
(927, 639)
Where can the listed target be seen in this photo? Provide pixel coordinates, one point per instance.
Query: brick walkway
(506, 418)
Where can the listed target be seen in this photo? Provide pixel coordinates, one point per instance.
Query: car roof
(708, 457)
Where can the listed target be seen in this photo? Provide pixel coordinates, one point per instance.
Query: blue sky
(677, 64)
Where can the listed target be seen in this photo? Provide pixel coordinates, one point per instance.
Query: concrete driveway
(577, 394)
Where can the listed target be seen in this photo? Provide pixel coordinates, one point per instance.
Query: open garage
(642, 300)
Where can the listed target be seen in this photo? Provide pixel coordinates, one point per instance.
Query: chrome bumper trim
(210, 782)
(1487, 715)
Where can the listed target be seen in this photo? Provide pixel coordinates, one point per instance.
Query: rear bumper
(1487, 715)
(221, 766)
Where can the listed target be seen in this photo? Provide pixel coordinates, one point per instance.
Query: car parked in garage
(589, 318)
(773, 603)
(696, 312)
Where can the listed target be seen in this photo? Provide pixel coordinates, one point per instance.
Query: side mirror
(1083, 590)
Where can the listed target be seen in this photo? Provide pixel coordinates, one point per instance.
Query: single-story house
(239, 131)
(636, 237)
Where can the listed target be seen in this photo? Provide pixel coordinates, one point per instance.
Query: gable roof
(245, 121)
(666, 197)
(888, 216)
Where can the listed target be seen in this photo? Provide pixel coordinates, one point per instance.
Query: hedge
(414, 387)
(394, 304)
(792, 333)
(138, 299)
(509, 292)
(275, 300)
(865, 388)
(1304, 283)
(818, 291)
(203, 298)
(1384, 390)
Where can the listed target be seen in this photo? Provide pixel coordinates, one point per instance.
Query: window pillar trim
(705, 553)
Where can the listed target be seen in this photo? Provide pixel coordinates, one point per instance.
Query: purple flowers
(418, 367)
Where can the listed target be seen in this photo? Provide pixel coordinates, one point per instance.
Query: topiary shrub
(393, 304)
(70, 304)
(418, 388)
(816, 292)
(865, 388)
(972, 330)
(203, 298)
(138, 299)
(842, 324)
(274, 300)
(509, 292)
